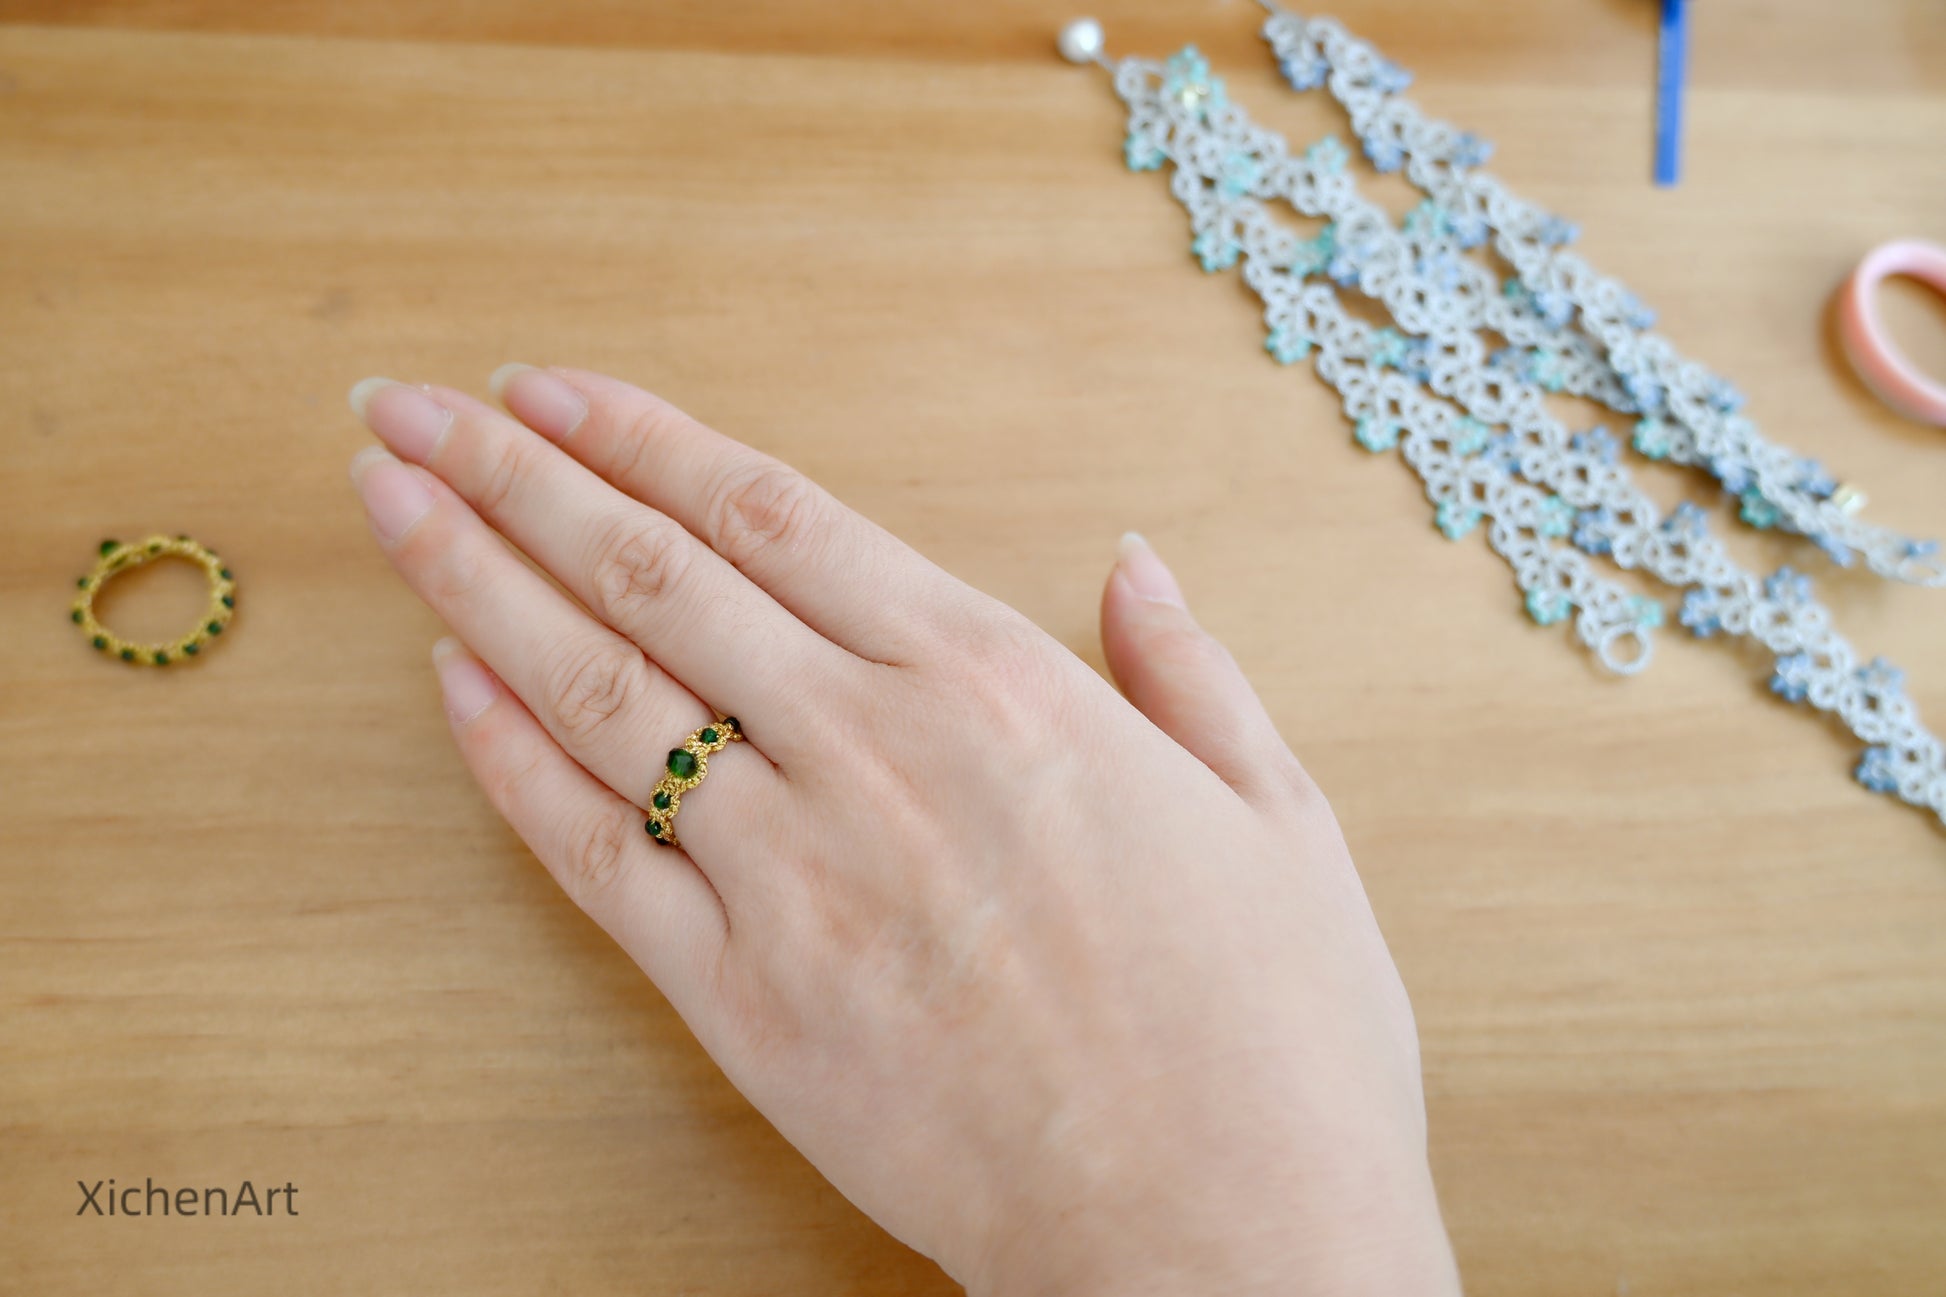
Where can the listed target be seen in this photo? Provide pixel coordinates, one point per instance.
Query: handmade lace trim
(1472, 420)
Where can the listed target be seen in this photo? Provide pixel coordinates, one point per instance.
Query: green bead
(682, 763)
(108, 547)
(707, 736)
(229, 601)
(81, 583)
(162, 659)
(128, 655)
(214, 628)
(192, 649)
(100, 642)
(155, 547)
(225, 574)
(655, 830)
(75, 616)
(736, 726)
(660, 801)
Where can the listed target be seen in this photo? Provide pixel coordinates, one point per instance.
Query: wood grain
(1681, 983)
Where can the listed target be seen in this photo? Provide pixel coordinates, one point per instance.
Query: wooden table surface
(1682, 983)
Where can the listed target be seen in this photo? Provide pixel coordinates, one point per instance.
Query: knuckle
(1183, 647)
(503, 779)
(761, 507)
(592, 686)
(597, 854)
(1003, 639)
(637, 564)
(641, 429)
(455, 572)
(502, 477)
(1011, 678)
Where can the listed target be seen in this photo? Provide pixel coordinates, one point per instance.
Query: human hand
(1069, 992)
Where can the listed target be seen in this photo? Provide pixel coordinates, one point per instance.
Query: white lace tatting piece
(1469, 414)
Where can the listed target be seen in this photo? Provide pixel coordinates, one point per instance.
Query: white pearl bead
(1081, 41)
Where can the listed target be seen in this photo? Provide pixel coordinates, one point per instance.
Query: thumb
(1184, 680)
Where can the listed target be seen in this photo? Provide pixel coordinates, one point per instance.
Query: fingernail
(394, 496)
(405, 418)
(465, 684)
(361, 394)
(1145, 572)
(497, 380)
(545, 402)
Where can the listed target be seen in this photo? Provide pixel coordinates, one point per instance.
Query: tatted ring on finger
(683, 770)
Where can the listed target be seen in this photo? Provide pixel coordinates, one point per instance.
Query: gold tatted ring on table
(117, 558)
(683, 770)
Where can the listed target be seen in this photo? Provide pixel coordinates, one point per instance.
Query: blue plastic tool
(1672, 59)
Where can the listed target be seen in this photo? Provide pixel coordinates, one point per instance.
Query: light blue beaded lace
(1472, 422)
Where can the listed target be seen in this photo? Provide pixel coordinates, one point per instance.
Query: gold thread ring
(682, 770)
(116, 558)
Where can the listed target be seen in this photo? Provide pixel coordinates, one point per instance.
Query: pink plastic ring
(1896, 380)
